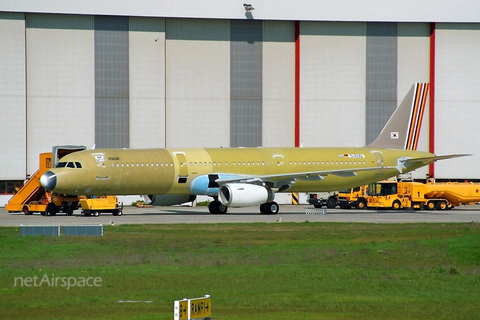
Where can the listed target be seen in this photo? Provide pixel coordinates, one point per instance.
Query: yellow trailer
(97, 205)
(416, 195)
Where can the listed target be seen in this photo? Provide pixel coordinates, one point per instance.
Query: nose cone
(48, 180)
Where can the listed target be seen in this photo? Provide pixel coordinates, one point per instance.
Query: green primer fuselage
(169, 171)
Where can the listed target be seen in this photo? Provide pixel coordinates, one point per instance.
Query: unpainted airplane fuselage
(171, 171)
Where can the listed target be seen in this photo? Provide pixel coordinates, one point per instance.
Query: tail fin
(403, 127)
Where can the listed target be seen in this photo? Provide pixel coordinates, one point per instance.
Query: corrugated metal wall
(13, 128)
(381, 77)
(111, 82)
(246, 38)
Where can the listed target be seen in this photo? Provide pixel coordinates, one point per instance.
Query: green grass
(252, 271)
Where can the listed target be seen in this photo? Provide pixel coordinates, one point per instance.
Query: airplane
(246, 176)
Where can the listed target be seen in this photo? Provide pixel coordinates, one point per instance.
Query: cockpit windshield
(61, 165)
(68, 165)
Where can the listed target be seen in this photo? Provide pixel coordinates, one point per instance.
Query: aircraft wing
(290, 178)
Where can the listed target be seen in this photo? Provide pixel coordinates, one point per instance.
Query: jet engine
(243, 194)
(167, 199)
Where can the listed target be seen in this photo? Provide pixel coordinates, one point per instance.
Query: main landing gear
(269, 208)
(216, 207)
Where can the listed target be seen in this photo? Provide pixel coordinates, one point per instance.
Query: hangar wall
(197, 83)
(147, 82)
(60, 83)
(278, 84)
(179, 73)
(332, 80)
(457, 97)
(13, 113)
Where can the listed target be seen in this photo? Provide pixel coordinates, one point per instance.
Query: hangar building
(271, 73)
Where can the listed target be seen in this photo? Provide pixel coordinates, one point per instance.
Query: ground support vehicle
(416, 195)
(32, 197)
(97, 205)
(354, 197)
(328, 199)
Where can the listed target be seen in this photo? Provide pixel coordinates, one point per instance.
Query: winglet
(403, 128)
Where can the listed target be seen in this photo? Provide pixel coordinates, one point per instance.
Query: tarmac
(288, 213)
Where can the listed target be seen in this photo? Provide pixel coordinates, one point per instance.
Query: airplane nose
(48, 180)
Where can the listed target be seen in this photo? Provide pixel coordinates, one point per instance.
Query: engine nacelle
(206, 184)
(167, 199)
(244, 195)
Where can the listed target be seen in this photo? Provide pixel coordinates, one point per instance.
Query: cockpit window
(68, 165)
(61, 165)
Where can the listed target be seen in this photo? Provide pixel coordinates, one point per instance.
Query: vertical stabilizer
(403, 128)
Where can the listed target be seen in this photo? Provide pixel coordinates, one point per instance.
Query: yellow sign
(200, 307)
(181, 310)
(187, 309)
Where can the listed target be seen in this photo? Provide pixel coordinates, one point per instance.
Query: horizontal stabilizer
(428, 160)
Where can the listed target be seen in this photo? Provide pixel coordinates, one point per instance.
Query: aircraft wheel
(271, 208)
(216, 207)
(396, 205)
(361, 204)
(26, 211)
(211, 207)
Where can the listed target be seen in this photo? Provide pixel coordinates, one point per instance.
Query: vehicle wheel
(430, 205)
(96, 213)
(441, 205)
(271, 208)
(26, 211)
(120, 212)
(115, 213)
(331, 203)
(396, 205)
(51, 210)
(360, 204)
